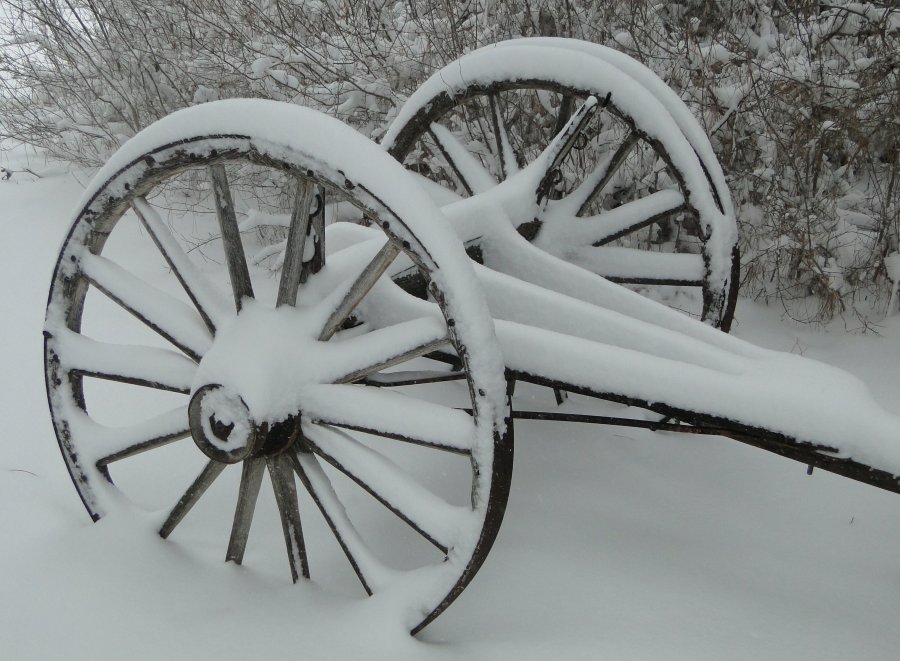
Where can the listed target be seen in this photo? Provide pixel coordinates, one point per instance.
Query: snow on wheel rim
(649, 118)
(642, 74)
(297, 384)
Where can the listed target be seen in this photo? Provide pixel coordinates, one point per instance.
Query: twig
(6, 174)
(22, 470)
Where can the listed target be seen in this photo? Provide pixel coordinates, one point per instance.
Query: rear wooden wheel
(625, 193)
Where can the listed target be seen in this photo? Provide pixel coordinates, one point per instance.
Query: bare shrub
(801, 99)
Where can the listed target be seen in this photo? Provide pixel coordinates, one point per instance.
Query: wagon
(542, 211)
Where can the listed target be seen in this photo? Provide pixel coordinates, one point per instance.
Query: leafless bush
(801, 99)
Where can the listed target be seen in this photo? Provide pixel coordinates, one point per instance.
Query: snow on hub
(244, 400)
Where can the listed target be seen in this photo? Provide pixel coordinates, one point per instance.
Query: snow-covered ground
(617, 544)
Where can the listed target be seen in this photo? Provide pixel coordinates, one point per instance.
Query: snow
(389, 412)
(228, 409)
(617, 543)
(563, 228)
(141, 363)
(472, 170)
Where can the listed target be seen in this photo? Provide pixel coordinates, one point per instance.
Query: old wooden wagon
(535, 213)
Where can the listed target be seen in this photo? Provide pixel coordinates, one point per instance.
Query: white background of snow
(616, 544)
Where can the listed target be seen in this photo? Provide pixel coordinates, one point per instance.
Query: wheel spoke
(562, 144)
(139, 365)
(426, 513)
(296, 241)
(111, 444)
(285, 488)
(251, 477)
(198, 487)
(358, 289)
(389, 414)
(238, 272)
(631, 266)
(377, 350)
(371, 572)
(563, 230)
(175, 321)
(395, 359)
(606, 169)
(205, 297)
(509, 165)
(471, 173)
(412, 378)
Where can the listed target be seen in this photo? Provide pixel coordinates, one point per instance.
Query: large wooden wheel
(172, 390)
(626, 187)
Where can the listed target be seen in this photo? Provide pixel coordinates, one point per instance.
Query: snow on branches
(801, 99)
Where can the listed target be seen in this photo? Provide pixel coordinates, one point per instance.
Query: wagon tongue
(223, 429)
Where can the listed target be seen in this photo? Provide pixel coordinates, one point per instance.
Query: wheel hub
(224, 430)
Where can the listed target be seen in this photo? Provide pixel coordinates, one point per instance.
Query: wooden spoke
(205, 297)
(631, 266)
(596, 183)
(382, 348)
(357, 290)
(371, 572)
(509, 165)
(389, 414)
(471, 173)
(251, 478)
(282, 476)
(175, 321)
(296, 241)
(615, 223)
(412, 378)
(231, 237)
(396, 359)
(426, 513)
(645, 211)
(139, 365)
(116, 443)
(198, 487)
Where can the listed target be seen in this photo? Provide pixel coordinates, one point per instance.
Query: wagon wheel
(620, 189)
(277, 377)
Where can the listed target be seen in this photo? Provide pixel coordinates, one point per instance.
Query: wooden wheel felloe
(280, 378)
(625, 185)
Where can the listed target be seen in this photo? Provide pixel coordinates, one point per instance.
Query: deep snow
(617, 543)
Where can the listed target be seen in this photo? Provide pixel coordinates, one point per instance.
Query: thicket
(800, 98)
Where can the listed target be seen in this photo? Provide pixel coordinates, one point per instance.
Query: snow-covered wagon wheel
(603, 165)
(174, 391)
